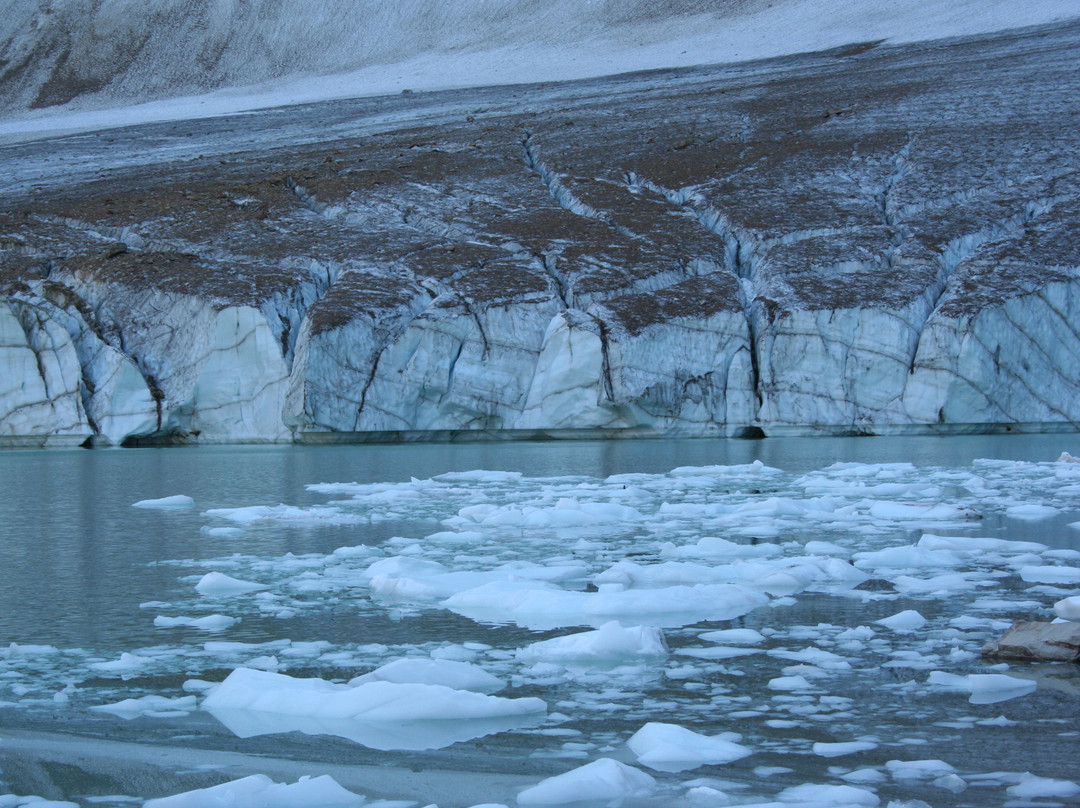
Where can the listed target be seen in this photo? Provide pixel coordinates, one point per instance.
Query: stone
(1036, 640)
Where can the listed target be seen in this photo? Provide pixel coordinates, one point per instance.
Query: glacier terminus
(871, 239)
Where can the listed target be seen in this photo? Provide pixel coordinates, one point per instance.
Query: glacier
(877, 238)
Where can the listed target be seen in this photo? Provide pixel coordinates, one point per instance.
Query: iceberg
(671, 748)
(604, 782)
(378, 714)
(610, 644)
(259, 791)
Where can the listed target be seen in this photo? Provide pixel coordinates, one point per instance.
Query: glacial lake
(471, 553)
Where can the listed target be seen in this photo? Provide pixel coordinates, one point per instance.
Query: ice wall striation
(863, 241)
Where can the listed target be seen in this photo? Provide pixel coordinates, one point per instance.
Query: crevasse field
(707, 634)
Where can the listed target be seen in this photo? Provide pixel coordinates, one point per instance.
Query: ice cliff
(870, 239)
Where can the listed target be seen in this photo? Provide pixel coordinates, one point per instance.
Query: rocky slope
(872, 239)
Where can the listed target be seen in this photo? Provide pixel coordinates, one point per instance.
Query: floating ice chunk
(212, 622)
(611, 644)
(446, 672)
(788, 580)
(455, 652)
(714, 547)
(757, 467)
(319, 514)
(950, 582)
(671, 748)
(707, 796)
(951, 782)
(990, 688)
(537, 605)
(789, 683)
(403, 578)
(152, 706)
(859, 633)
(178, 501)
(457, 537)
(829, 795)
(843, 748)
(13, 801)
(903, 622)
(15, 650)
(824, 548)
(602, 780)
(381, 715)
(864, 777)
(567, 512)
(403, 566)
(479, 476)
(907, 556)
(733, 636)
(918, 769)
(985, 688)
(218, 584)
(967, 544)
(259, 791)
(626, 573)
(264, 663)
(1068, 608)
(718, 652)
(1031, 512)
(127, 663)
(921, 512)
(818, 657)
(1050, 575)
(1032, 787)
(221, 532)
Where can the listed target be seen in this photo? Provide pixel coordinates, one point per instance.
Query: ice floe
(177, 501)
(603, 781)
(903, 622)
(218, 584)
(541, 606)
(828, 795)
(610, 644)
(259, 791)
(1068, 608)
(378, 714)
(672, 748)
(1032, 787)
(445, 672)
(152, 706)
(211, 622)
(985, 688)
(839, 749)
